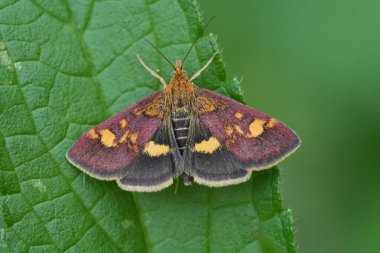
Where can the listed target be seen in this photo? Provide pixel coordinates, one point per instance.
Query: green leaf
(65, 66)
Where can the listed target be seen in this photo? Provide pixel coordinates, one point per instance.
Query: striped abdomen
(181, 122)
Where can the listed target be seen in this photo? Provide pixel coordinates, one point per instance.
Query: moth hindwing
(182, 131)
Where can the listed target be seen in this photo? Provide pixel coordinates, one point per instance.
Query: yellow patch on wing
(130, 139)
(133, 137)
(207, 146)
(123, 138)
(107, 138)
(239, 115)
(229, 130)
(92, 134)
(152, 109)
(271, 123)
(207, 104)
(155, 150)
(123, 123)
(239, 130)
(256, 127)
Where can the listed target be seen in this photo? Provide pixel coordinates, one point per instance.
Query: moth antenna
(150, 43)
(151, 71)
(195, 41)
(204, 67)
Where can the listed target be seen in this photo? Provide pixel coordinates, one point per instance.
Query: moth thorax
(180, 97)
(178, 103)
(181, 121)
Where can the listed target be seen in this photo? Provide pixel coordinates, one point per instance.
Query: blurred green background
(316, 66)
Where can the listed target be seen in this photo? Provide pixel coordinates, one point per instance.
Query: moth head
(178, 72)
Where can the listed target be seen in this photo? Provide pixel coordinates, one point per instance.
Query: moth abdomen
(181, 123)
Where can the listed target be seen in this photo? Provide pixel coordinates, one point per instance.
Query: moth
(183, 131)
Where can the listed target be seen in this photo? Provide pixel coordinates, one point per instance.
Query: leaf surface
(66, 66)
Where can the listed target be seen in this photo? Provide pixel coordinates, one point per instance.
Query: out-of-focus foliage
(316, 66)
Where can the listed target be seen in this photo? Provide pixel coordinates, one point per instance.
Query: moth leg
(204, 67)
(151, 71)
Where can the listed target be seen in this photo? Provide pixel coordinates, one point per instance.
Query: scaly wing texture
(213, 164)
(257, 140)
(107, 150)
(152, 170)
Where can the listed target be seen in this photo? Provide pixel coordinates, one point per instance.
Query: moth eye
(184, 72)
(173, 73)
